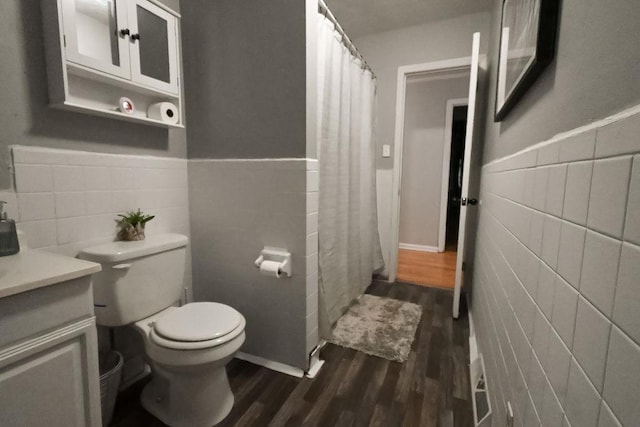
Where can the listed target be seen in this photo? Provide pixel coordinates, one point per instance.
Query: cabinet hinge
(463, 265)
(64, 40)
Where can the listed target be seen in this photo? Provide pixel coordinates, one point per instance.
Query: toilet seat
(196, 326)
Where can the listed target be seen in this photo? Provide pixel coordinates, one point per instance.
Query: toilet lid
(198, 321)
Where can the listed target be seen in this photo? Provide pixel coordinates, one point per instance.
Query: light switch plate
(386, 150)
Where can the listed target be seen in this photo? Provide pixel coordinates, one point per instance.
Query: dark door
(459, 128)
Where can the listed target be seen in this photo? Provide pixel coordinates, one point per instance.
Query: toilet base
(188, 399)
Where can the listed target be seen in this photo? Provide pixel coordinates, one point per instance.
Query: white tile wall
(574, 274)
(608, 198)
(570, 252)
(552, 414)
(627, 302)
(555, 190)
(66, 178)
(576, 201)
(578, 147)
(590, 341)
(607, 419)
(551, 240)
(620, 137)
(622, 383)
(557, 365)
(565, 304)
(33, 178)
(36, 206)
(313, 187)
(600, 270)
(67, 200)
(582, 405)
(632, 222)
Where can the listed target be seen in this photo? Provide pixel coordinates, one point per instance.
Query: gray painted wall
(25, 117)
(557, 253)
(595, 74)
(387, 51)
(245, 76)
(247, 71)
(424, 142)
(239, 207)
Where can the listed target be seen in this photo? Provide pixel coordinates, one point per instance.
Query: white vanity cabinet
(101, 50)
(48, 347)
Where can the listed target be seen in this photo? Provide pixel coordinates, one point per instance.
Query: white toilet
(188, 347)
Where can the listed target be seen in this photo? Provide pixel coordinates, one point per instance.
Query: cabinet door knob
(135, 37)
(125, 32)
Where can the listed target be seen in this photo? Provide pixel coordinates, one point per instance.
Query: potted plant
(132, 225)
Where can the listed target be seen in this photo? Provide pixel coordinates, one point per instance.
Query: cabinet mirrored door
(95, 35)
(153, 46)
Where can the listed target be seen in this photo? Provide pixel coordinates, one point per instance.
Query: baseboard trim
(314, 368)
(315, 363)
(270, 364)
(421, 248)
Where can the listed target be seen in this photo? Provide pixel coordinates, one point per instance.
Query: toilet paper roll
(163, 111)
(270, 268)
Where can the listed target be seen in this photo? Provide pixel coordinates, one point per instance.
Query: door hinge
(463, 265)
(64, 40)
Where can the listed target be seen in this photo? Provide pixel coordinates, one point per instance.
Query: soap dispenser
(8, 235)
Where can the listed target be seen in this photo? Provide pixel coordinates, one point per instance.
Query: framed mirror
(527, 45)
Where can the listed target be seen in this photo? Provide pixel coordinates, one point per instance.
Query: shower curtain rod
(324, 10)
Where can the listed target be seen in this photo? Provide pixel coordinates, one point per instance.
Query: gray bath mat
(382, 327)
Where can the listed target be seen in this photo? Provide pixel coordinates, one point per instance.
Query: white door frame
(446, 159)
(404, 72)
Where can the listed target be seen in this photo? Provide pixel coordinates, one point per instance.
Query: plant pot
(132, 233)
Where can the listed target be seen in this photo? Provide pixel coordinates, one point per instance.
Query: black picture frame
(545, 50)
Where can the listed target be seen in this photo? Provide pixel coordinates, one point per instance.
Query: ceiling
(362, 17)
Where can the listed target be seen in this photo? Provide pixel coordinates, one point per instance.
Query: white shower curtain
(349, 245)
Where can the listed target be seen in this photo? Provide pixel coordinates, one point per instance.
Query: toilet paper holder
(277, 255)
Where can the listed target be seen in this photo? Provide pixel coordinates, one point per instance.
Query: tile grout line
(610, 321)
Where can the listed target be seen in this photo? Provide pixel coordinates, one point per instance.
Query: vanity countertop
(33, 269)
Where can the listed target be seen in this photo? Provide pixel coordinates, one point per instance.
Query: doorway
(475, 65)
(432, 181)
(454, 192)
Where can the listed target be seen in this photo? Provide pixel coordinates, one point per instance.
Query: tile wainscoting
(66, 200)
(239, 206)
(556, 286)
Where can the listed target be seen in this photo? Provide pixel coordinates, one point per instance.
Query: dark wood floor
(353, 389)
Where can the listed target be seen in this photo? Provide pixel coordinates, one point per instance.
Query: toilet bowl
(187, 346)
(188, 358)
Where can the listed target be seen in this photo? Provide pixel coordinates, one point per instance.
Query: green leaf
(134, 218)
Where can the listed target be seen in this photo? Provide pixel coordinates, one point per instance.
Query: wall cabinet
(101, 50)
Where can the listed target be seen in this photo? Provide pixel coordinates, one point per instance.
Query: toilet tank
(137, 279)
